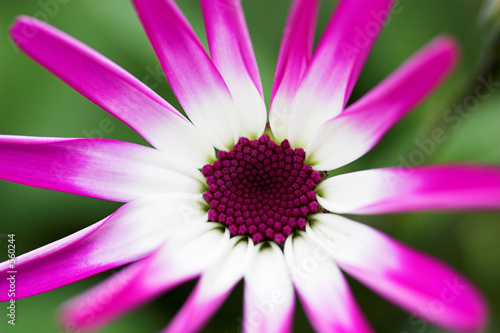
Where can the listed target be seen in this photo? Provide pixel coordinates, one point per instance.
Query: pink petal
(132, 232)
(422, 285)
(294, 57)
(213, 288)
(232, 54)
(184, 256)
(194, 79)
(353, 133)
(322, 289)
(395, 190)
(335, 66)
(100, 168)
(268, 300)
(112, 88)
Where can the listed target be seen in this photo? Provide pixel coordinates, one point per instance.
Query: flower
(191, 213)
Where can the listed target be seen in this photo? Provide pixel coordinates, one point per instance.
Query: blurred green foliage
(34, 102)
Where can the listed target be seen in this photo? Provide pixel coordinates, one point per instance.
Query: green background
(34, 102)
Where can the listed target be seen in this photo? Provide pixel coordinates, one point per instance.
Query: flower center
(261, 189)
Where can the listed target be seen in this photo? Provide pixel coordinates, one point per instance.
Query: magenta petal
(293, 59)
(322, 289)
(350, 135)
(145, 223)
(335, 65)
(184, 256)
(112, 88)
(100, 168)
(213, 288)
(422, 285)
(195, 81)
(232, 53)
(395, 190)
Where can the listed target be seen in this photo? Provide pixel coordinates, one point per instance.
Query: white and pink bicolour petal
(231, 51)
(335, 66)
(405, 189)
(100, 168)
(293, 60)
(146, 223)
(322, 289)
(422, 285)
(268, 297)
(354, 132)
(182, 257)
(112, 88)
(195, 80)
(213, 288)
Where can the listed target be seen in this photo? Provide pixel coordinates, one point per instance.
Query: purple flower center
(261, 189)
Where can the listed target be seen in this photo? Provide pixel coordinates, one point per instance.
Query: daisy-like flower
(261, 209)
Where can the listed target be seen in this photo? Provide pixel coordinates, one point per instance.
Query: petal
(422, 285)
(132, 232)
(293, 59)
(232, 54)
(353, 133)
(268, 297)
(112, 88)
(100, 168)
(395, 190)
(213, 288)
(194, 79)
(335, 66)
(322, 289)
(184, 256)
